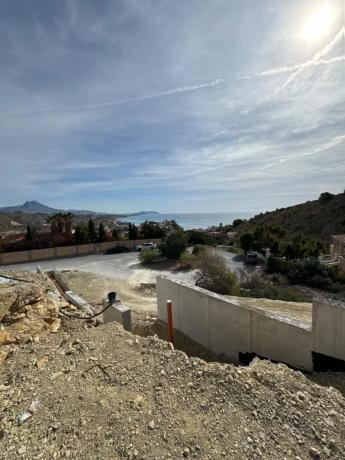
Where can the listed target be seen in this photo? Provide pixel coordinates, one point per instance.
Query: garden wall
(9, 258)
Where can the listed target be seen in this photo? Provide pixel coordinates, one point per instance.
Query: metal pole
(170, 322)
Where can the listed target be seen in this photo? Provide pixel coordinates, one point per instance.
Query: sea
(190, 220)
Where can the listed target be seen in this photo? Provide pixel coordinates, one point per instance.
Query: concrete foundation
(119, 313)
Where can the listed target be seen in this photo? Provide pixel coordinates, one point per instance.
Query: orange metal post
(170, 322)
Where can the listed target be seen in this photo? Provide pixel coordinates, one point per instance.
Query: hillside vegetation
(316, 220)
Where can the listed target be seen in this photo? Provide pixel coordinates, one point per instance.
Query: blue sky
(183, 105)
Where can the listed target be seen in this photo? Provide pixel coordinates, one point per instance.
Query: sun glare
(318, 23)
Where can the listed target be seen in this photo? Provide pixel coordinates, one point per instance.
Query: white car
(147, 246)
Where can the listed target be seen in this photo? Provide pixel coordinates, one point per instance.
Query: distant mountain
(140, 213)
(317, 220)
(34, 207)
(30, 207)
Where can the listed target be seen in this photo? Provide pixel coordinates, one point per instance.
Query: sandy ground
(300, 311)
(94, 288)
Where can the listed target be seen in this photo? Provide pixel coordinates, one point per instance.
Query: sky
(171, 105)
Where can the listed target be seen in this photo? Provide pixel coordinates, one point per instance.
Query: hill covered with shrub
(316, 220)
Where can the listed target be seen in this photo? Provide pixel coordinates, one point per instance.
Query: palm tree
(67, 220)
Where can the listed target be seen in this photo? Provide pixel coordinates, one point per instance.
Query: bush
(173, 245)
(278, 265)
(198, 248)
(246, 241)
(309, 272)
(254, 285)
(213, 274)
(197, 237)
(149, 256)
(187, 260)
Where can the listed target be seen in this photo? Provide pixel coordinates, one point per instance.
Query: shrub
(278, 265)
(307, 271)
(198, 248)
(325, 196)
(213, 274)
(246, 241)
(187, 260)
(173, 245)
(149, 256)
(197, 237)
(255, 285)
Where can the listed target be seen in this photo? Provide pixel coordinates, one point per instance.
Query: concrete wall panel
(85, 248)
(7, 258)
(225, 328)
(15, 257)
(65, 251)
(230, 329)
(194, 316)
(167, 290)
(281, 341)
(41, 254)
(329, 330)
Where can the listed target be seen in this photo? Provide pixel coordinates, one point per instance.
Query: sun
(318, 23)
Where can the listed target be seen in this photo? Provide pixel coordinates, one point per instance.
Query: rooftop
(339, 237)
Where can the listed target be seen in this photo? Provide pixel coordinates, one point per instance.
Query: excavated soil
(103, 393)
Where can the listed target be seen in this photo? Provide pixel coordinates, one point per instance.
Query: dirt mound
(29, 306)
(104, 393)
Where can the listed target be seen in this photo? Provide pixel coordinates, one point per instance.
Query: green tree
(67, 218)
(116, 234)
(173, 245)
(325, 196)
(213, 274)
(246, 241)
(28, 233)
(132, 232)
(81, 234)
(92, 231)
(101, 233)
(60, 222)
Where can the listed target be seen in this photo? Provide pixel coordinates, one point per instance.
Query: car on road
(252, 258)
(149, 245)
(117, 250)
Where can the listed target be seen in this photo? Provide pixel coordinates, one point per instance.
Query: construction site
(112, 386)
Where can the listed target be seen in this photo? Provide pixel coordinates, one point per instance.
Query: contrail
(317, 59)
(293, 68)
(182, 89)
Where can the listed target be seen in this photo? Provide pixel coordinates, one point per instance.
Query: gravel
(103, 393)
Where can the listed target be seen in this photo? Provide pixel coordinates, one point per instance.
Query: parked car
(146, 246)
(252, 258)
(117, 250)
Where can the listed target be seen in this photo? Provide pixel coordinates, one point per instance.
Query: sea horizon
(197, 220)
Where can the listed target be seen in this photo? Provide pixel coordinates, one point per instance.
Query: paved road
(121, 266)
(124, 266)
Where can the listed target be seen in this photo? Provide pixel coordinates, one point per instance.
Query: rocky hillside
(316, 219)
(103, 393)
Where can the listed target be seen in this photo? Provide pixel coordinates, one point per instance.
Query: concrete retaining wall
(226, 328)
(329, 330)
(342, 265)
(7, 258)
